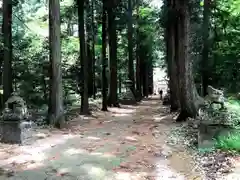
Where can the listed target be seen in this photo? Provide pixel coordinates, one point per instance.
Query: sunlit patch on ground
(34, 165)
(132, 139)
(122, 110)
(93, 138)
(73, 151)
(159, 119)
(41, 135)
(120, 114)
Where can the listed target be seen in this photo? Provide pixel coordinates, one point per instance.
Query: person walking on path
(161, 93)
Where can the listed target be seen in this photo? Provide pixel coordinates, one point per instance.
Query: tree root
(182, 117)
(173, 109)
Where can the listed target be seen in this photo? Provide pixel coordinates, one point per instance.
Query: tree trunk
(90, 69)
(130, 47)
(205, 50)
(56, 111)
(120, 83)
(1, 77)
(104, 58)
(150, 78)
(112, 33)
(89, 50)
(93, 52)
(138, 74)
(144, 72)
(171, 43)
(84, 62)
(7, 53)
(189, 99)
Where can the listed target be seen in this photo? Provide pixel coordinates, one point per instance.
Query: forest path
(127, 143)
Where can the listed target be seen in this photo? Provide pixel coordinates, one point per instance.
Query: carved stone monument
(166, 98)
(213, 122)
(128, 97)
(15, 127)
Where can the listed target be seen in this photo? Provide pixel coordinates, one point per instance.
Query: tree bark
(150, 78)
(84, 62)
(113, 95)
(89, 50)
(205, 50)
(93, 52)
(138, 74)
(130, 47)
(104, 58)
(144, 77)
(189, 99)
(171, 47)
(7, 52)
(56, 96)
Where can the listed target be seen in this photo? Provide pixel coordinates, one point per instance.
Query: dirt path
(128, 143)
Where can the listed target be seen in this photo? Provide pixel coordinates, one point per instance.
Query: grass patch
(233, 111)
(229, 142)
(227, 139)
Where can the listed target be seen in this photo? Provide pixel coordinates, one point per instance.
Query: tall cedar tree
(89, 41)
(205, 50)
(83, 59)
(93, 49)
(130, 47)
(189, 99)
(56, 93)
(171, 55)
(7, 53)
(104, 57)
(112, 34)
(138, 71)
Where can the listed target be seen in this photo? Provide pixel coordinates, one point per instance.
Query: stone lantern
(128, 97)
(14, 121)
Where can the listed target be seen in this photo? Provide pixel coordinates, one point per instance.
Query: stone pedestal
(128, 97)
(208, 133)
(15, 132)
(166, 100)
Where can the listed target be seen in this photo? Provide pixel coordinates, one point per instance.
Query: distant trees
(94, 45)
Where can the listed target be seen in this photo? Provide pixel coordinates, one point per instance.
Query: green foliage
(231, 117)
(233, 109)
(225, 45)
(229, 142)
(31, 54)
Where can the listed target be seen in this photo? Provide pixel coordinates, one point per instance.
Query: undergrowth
(233, 111)
(231, 141)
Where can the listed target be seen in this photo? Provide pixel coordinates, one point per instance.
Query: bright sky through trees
(157, 3)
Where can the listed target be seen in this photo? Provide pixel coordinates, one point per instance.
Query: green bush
(233, 111)
(229, 142)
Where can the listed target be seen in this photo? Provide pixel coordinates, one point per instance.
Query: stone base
(138, 96)
(128, 99)
(208, 133)
(15, 132)
(166, 100)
